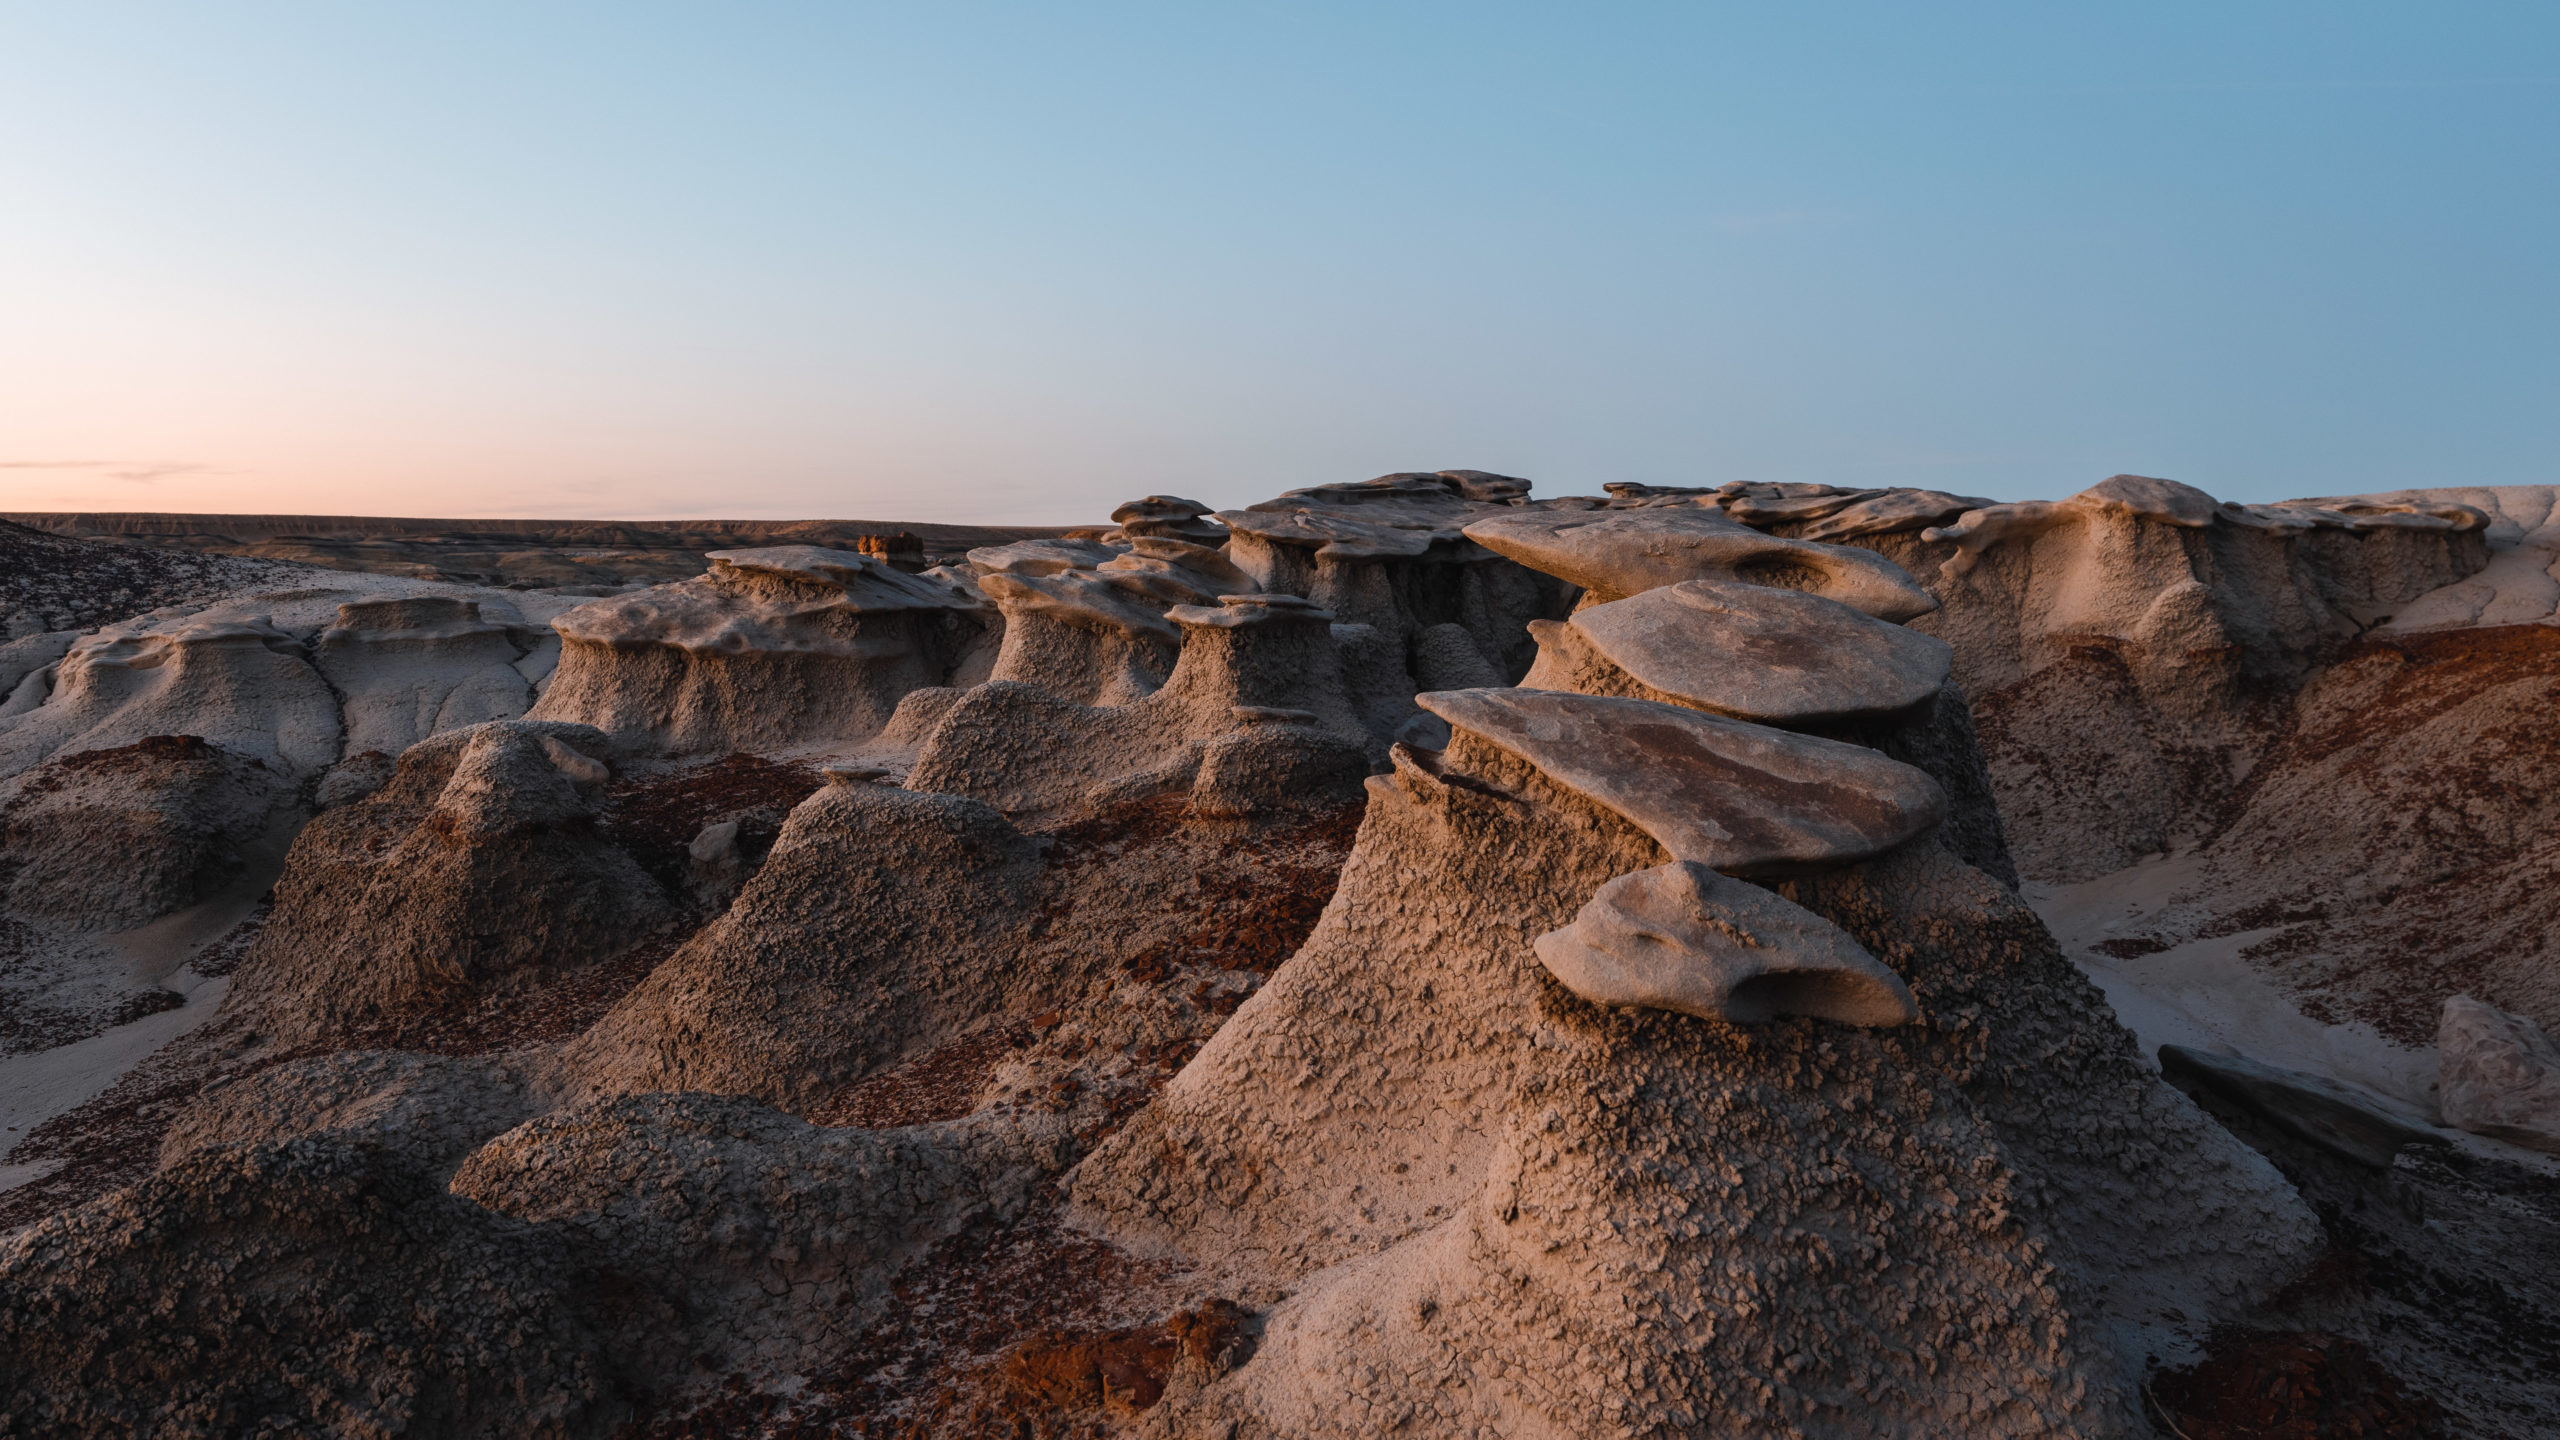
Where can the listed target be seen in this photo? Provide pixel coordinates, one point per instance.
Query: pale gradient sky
(986, 262)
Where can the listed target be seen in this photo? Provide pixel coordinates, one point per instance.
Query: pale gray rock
(2497, 1074)
(1682, 937)
(242, 684)
(2331, 1115)
(776, 646)
(1780, 657)
(1736, 797)
(410, 666)
(1612, 554)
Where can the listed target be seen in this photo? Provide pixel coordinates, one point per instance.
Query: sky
(973, 262)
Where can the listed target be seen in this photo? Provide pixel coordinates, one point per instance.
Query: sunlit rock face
(772, 647)
(1411, 956)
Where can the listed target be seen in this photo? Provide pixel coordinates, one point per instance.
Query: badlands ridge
(1406, 957)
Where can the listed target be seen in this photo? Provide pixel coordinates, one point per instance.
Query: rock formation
(771, 648)
(1405, 957)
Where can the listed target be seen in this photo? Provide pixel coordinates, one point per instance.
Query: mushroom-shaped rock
(1736, 797)
(1087, 620)
(1780, 657)
(1616, 553)
(774, 646)
(1391, 554)
(1168, 517)
(1682, 937)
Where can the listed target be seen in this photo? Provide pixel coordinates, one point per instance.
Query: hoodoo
(1404, 957)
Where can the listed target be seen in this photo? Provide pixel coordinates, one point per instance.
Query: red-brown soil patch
(941, 1361)
(2290, 1385)
(942, 1084)
(656, 816)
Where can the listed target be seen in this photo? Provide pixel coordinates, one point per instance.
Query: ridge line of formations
(1401, 957)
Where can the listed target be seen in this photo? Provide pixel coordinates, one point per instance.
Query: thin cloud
(137, 472)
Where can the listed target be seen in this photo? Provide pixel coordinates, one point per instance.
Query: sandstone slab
(1682, 937)
(1781, 657)
(1616, 553)
(1736, 797)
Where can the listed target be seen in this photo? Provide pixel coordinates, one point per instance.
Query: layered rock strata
(780, 646)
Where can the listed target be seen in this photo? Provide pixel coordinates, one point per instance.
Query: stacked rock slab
(1255, 716)
(1085, 618)
(2130, 647)
(1849, 1152)
(1392, 555)
(774, 647)
(1615, 553)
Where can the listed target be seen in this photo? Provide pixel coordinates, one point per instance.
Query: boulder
(2497, 1074)
(1740, 798)
(1779, 657)
(1613, 554)
(1682, 937)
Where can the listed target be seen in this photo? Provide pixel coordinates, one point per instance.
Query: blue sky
(987, 262)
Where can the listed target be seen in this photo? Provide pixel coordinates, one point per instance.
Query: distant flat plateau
(521, 553)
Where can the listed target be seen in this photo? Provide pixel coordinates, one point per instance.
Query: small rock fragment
(2497, 1074)
(1682, 937)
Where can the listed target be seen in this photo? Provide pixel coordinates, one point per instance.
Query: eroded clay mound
(478, 865)
(440, 1318)
(112, 839)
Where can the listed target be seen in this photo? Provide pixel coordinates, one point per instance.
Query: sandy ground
(35, 1088)
(2203, 995)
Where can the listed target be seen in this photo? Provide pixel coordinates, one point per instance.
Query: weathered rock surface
(773, 647)
(1494, 1207)
(413, 666)
(112, 839)
(1744, 799)
(477, 866)
(1613, 554)
(1391, 554)
(2498, 1074)
(242, 684)
(1032, 753)
(1681, 937)
(2311, 1107)
(1778, 657)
